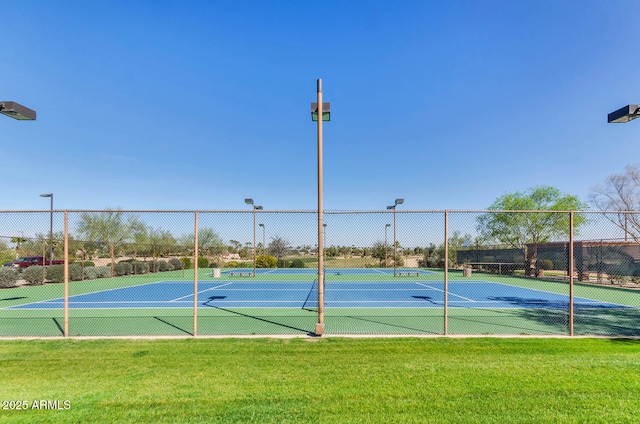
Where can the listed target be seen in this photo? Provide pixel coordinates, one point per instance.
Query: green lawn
(329, 380)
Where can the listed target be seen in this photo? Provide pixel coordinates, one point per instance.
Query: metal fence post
(195, 275)
(571, 266)
(66, 273)
(446, 272)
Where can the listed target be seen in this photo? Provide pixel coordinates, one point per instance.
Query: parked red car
(28, 261)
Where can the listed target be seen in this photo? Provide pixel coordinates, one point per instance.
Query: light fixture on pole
(50, 195)
(255, 208)
(320, 112)
(263, 238)
(17, 111)
(397, 202)
(386, 226)
(624, 114)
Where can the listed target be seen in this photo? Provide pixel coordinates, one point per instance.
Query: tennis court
(285, 301)
(302, 294)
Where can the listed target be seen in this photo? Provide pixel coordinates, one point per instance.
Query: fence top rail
(314, 211)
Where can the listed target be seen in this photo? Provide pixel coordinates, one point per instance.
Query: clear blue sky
(199, 104)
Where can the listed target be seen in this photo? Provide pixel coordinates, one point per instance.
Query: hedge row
(34, 274)
(55, 273)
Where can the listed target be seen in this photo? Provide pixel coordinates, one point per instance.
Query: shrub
(8, 255)
(162, 266)
(545, 264)
(266, 261)
(33, 274)
(90, 273)
(8, 277)
(139, 267)
(297, 263)
(75, 272)
(123, 268)
(175, 263)
(232, 264)
(86, 263)
(152, 266)
(55, 273)
(203, 262)
(103, 271)
(187, 262)
(214, 265)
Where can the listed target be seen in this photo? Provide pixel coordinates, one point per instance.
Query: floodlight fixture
(624, 114)
(326, 111)
(17, 111)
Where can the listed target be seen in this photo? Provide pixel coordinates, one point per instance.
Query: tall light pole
(397, 202)
(622, 115)
(386, 226)
(263, 238)
(320, 112)
(17, 111)
(50, 195)
(255, 208)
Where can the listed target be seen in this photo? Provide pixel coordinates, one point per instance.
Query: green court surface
(357, 302)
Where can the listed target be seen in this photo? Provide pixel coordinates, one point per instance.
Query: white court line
(191, 295)
(452, 294)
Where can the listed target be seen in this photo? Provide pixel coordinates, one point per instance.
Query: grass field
(330, 380)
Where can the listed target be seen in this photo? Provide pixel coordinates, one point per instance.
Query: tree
(154, 243)
(432, 257)
(6, 254)
(331, 252)
(620, 193)
(110, 229)
(455, 243)
(381, 251)
(209, 242)
(278, 247)
(235, 246)
(517, 229)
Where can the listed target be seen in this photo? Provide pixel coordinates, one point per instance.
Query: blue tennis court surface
(304, 294)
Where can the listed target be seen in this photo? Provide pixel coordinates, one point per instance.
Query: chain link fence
(114, 273)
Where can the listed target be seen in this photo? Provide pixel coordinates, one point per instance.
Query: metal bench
(241, 273)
